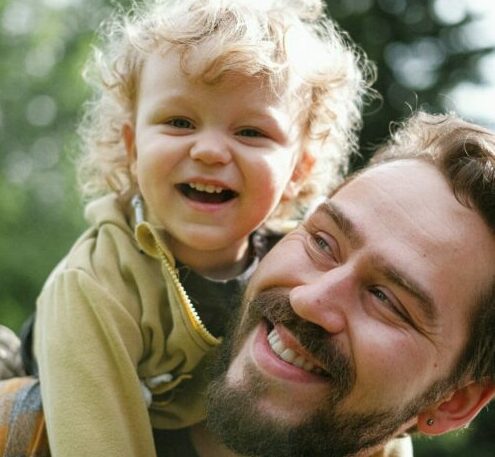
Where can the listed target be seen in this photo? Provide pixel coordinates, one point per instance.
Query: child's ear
(457, 410)
(129, 141)
(301, 172)
(129, 137)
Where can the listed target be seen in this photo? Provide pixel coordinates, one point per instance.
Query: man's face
(354, 319)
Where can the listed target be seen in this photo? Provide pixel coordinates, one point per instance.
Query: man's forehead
(414, 195)
(390, 171)
(415, 186)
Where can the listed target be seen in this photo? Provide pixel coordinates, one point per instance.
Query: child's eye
(180, 123)
(251, 133)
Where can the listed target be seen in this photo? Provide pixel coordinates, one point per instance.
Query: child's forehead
(197, 66)
(192, 75)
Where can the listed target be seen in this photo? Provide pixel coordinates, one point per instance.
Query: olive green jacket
(113, 326)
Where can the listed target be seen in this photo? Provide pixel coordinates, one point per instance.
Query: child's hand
(10, 355)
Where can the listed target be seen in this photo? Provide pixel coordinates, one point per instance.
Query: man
(374, 319)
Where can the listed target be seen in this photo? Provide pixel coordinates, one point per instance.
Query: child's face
(211, 161)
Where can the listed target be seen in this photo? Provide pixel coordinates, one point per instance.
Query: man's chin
(246, 422)
(247, 414)
(285, 405)
(283, 390)
(239, 418)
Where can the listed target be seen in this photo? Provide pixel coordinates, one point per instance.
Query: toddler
(213, 124)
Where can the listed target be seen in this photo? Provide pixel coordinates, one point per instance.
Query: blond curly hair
(291, 44)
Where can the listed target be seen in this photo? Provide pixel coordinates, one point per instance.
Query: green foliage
(42, 52)
(419, 58)
(43, 45)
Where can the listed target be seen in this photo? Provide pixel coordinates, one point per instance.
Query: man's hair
(465, 155)
(290, 45)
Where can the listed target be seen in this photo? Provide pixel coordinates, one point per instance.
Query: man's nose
(326, 300)
(211, 149)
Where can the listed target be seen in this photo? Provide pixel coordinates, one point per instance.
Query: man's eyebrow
(425, 300)
(356, 239)
(345, 225)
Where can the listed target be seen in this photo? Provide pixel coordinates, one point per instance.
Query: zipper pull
(137, 204)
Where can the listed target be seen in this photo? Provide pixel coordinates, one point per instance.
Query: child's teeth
(210, 188)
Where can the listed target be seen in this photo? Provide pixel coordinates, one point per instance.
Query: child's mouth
(205, 193)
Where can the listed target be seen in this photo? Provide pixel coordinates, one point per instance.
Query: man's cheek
(241, 357)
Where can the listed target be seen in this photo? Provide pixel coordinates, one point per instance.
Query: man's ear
(457, 410)
(299, 175)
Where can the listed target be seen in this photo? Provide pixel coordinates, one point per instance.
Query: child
(211, 118)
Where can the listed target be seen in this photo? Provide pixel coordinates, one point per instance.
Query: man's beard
(233, 415)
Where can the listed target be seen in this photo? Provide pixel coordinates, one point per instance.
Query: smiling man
(372, 319)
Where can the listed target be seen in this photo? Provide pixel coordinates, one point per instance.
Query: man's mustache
(274, 306)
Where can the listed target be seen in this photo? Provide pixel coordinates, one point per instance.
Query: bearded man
(374, 319)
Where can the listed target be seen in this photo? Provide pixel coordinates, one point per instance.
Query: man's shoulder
(398, 447)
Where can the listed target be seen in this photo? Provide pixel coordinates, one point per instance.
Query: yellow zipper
(191, 312)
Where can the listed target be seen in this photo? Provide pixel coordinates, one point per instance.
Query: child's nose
(211, 149)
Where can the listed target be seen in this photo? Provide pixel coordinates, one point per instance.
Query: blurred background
(436, 55)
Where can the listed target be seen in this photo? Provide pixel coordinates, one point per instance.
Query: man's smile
(291, 355)
(280, 356)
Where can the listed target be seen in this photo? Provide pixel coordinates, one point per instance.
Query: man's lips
(293, 356)
(206, 193)
(309, 344)
(281, 355)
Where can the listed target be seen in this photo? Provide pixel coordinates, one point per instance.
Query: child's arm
(88, 346)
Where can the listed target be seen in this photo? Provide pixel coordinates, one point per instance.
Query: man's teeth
(209, 188)
(289, 355)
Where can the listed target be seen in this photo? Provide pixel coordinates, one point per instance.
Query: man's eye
(389, 303)
(322, 251)
(321, 243)
(251, 133)
(379, 294)
(323, 246)
(180, 123)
